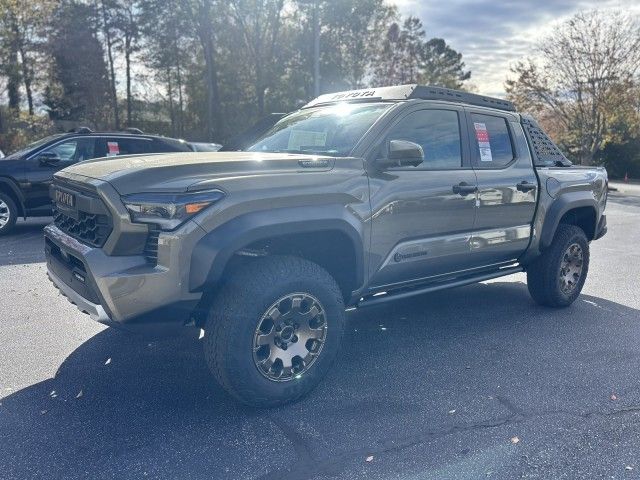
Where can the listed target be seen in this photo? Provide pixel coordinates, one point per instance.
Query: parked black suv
(25, 175)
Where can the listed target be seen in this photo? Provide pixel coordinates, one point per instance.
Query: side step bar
(370, 301)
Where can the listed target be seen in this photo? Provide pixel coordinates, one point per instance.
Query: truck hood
(179, 172)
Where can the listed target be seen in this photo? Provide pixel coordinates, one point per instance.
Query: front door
(423, 217)
(507, 187)
(39, 174)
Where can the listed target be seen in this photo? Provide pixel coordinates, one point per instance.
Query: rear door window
(126, 146)
(492, 141)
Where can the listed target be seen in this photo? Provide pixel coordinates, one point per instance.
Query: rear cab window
(491, 140)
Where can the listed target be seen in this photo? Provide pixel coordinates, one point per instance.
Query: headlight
(169, 210)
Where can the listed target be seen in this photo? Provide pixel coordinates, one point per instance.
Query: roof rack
(133, 130)
(408, 92)
(449, 94)
(80, 130)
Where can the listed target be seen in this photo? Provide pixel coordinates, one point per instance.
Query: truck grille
(151, 247)
(90, 228)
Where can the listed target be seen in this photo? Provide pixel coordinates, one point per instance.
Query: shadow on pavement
(124, 407)
(25, 243)
(633, 201)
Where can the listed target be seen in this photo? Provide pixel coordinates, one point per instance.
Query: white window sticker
(482, 136)
(304, 138)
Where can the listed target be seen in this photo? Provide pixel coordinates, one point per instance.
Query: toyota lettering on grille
(65, 199)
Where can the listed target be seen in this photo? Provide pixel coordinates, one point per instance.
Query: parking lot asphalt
(475, 382)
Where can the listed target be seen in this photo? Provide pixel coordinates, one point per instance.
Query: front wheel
(556, 278)
(8, 213)
(274, 330)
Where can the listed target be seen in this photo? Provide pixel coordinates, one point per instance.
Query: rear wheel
(274, 330)
(8, 213)
(556, 278)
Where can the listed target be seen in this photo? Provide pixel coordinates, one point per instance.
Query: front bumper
(95, 311)
(124, 291)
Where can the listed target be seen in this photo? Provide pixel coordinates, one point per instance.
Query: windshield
(331, 129)
(32, 146)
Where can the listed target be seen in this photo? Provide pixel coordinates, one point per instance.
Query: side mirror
(402, 153)
(49, 158)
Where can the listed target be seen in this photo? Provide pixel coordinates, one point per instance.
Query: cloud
(492, 35)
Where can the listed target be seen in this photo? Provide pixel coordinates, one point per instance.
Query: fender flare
(560, 206)
(213, 251)
(11, 185)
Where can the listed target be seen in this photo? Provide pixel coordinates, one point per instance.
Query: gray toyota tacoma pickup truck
(358, 198)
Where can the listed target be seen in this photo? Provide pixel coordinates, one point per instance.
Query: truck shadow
(127, 405)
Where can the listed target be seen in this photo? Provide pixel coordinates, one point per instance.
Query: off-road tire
(544, 274)
(239, 307)
(12, 212)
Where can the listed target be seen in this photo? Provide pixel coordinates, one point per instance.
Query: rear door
(507, 187)
(422, 217)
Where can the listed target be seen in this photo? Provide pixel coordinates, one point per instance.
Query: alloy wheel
(5, 214)
(571, 268)
(289, 337)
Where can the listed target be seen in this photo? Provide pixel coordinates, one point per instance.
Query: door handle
(463, 188)
(525, 186)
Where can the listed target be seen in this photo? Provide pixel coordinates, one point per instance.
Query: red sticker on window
(482, 136)
(113, 149)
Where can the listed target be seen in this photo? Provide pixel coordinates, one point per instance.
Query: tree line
(207, 69)
(200, 69)
(583, 86)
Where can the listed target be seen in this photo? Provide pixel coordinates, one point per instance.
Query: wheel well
(4, 188)
(583, 217)
(331, 249)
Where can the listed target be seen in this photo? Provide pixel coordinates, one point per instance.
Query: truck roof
(413, 91)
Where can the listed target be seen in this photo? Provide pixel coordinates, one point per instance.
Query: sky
(494, 34)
